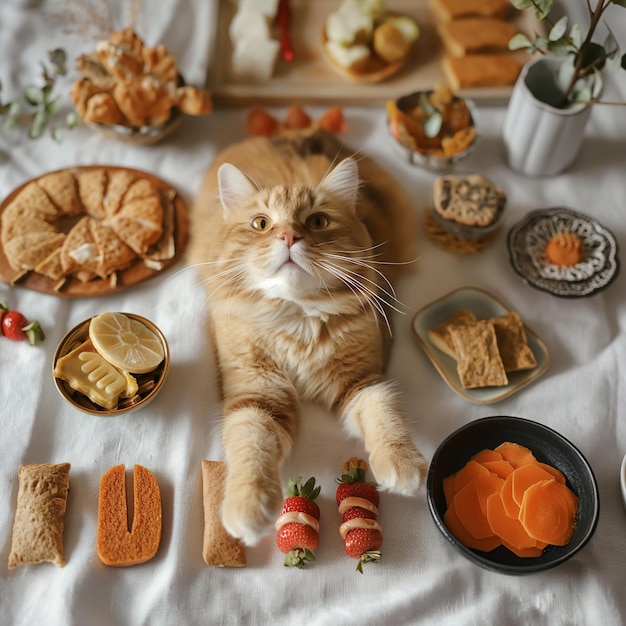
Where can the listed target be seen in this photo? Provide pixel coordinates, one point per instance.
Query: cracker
(470, 200)
(62, 190)
(27, 251)
(39, 517)
(478, 358)
(116, 545)
(139, 223)
(514, 350)
(120, 181)
(440, 334)
(219, 548)
(92, 186)
(476, 34)
(456, 9)
(481, 70)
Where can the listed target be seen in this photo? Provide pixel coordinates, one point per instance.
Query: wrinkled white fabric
(421, 579)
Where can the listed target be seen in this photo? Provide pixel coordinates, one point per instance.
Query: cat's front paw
(249, 512)
(399, 468)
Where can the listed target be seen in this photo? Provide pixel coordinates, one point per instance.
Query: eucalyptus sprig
(587, 58)
(40, 106)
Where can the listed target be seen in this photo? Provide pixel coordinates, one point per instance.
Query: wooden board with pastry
(90, 230)
(316, 75)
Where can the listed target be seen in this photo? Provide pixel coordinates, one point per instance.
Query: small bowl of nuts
(433, 129)
(111, 364)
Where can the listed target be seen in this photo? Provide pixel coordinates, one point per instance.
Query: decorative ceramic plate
(527, 243)
(484, 306)
(137, 272)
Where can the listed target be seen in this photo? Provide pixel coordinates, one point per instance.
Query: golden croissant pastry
(127, 83)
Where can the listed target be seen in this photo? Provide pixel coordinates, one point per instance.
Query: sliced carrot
(511, 508)
(525, 476)
(506, 497)
(500, 468)
(515, 454)
(525, 553)
(486, 455)
(469, 471)
(486, 544)
(505, 527)
(548, 512)
(467, 507)
(558, 474)
(485, 486)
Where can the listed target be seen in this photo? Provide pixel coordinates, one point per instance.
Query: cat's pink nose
(289, 237)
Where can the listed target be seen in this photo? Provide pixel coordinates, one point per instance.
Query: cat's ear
(343, 182)
(234, 186)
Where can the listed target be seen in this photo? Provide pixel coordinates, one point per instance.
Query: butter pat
(87, 372)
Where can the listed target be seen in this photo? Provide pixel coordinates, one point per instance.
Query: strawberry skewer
(297, 527)
(357, 501)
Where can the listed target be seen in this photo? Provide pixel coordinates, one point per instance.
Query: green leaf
(53, 106)
(519, 42)
(46, 90)
(558, 30)
(620, 3)
(560, 47)
(565, 75)
(39, 124)
(57, 134)
(33, 95)
(72, 120)
(522, 4)
(581, 92)
(433, 124)
(58, 58)
(576, 37)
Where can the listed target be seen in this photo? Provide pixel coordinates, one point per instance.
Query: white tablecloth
(421, 579)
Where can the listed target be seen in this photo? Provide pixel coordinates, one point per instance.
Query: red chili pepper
(283, 18)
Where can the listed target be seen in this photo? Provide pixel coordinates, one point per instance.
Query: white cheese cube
(255, 59)
(248, 24)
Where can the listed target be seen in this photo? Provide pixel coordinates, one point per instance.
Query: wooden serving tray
(310, 80)
(134, 274)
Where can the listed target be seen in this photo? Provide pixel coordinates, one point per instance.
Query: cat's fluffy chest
(315, 352)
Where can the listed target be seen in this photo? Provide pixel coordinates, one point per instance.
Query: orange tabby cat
(297, 255)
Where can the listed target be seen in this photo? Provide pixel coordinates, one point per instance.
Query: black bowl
(548, 446)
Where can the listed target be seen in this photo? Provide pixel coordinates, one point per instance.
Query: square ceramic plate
(484, 306)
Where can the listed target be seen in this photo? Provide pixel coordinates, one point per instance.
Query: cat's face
(295, 242)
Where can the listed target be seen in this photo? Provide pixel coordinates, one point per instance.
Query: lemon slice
(125, 342)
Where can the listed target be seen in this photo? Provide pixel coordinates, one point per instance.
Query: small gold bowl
(144, 136)
(149, 384)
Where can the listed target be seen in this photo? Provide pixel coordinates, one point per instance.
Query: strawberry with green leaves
(14, 326)
(357, 501)
(297, 527)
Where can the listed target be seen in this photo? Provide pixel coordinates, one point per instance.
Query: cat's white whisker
(351, 280)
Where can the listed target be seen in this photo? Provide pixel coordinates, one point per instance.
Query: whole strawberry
(14, 326)
(297, 527)
(357, 501)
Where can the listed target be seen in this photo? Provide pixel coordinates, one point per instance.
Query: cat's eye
(317, 221)
(261, 222)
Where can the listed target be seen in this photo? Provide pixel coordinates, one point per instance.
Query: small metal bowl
(548, 446)
(150, 384)
(429, 161)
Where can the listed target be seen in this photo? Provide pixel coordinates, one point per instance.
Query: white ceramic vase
(540, 139)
